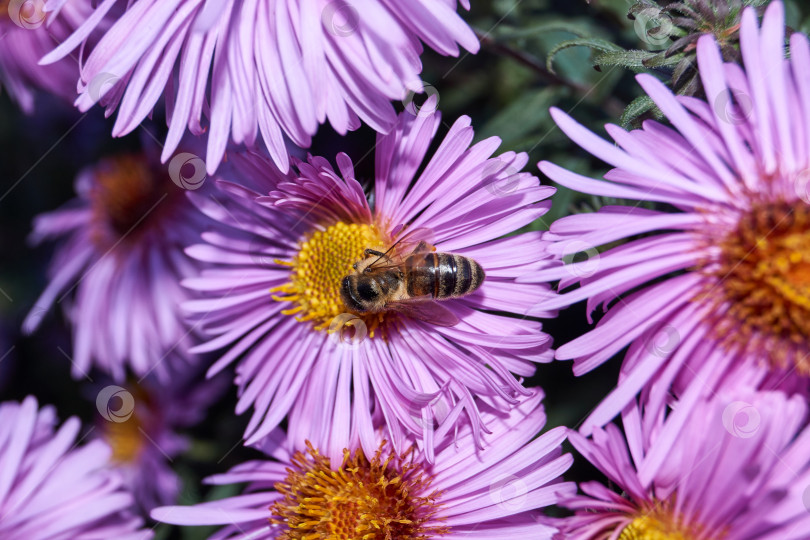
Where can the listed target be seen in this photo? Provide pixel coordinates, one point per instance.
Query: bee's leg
(369, 252)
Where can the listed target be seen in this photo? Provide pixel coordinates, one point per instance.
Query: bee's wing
(418, 240)
(424, 309)
(414, 240)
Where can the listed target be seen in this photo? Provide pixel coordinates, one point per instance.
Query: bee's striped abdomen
(442, 275)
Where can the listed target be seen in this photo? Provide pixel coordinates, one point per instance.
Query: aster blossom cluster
(738, 237)
(296, 242)
(277, 69)
(39, 461)
(279, 329)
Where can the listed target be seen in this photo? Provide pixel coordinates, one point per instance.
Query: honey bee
(411, 284)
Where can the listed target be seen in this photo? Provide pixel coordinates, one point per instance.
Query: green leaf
(522, 117)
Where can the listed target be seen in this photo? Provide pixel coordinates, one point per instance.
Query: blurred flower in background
(117, 268)
(280, 260)
(737, 468)
(712, 288)
(28, 31)
(51, 487)
(276, 69)
(141, 423)
(695, 245)
(497, 492)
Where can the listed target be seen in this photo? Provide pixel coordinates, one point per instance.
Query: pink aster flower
(710, 286)
(52, 488)
(739, 469)
(281, 260)
(496, 492)
(276, 69)
(117, 268)
(141, 423)
(28, 31)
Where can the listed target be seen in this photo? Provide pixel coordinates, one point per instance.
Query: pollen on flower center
(764, 275)
(324, 258)
(127, 197)
(663, 523)
(376, 499)
(125, 438)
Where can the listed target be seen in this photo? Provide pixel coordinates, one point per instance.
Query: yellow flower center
(324, 259)
(664, 523)
(127, 198)
(764, 275)
(363, 499)
(125, 438)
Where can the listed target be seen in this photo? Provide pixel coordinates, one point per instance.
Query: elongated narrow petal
(51, 486)
(276, 302)
(724, 253)
(497, 492)
(266, 71)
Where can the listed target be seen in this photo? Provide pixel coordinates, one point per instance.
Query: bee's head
(358, 291)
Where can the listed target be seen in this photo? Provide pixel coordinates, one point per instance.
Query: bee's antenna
(395, 244)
